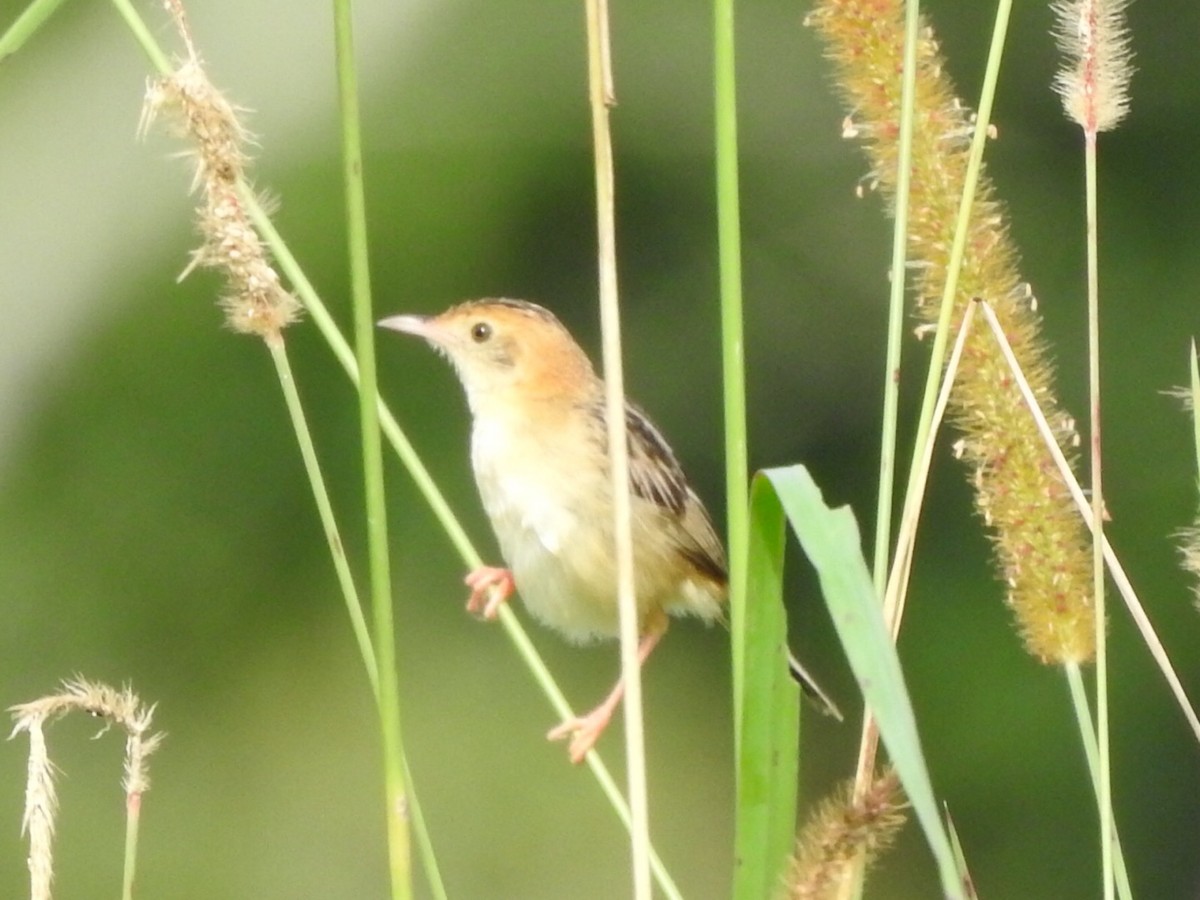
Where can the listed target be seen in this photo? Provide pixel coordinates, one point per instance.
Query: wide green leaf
(831, 540)
(766, 709)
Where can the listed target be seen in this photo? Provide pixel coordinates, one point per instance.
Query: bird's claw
(490, 589)
(584, 732)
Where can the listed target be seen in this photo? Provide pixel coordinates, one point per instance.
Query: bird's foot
(584, 731)
(490, 589)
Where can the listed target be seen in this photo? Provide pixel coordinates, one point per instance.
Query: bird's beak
(418, 325)
(430, 328)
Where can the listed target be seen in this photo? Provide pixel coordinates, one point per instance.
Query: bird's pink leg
(585, 730)
(490, 588)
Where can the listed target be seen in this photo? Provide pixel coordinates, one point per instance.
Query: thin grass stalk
(1083, 715)
(142, 34)
(600, 98)
(895, 319)
(733, 355)
(733, 372)
(1104, 794)
(914, 501)
(26, 26)
(396, 812)
(133, 817)
(1093, 85)
(894, 599)
(853, 886)
(900, 572)
(312, 467)
(341, 565)
(416, 813)
(906, 540)
(941, 340)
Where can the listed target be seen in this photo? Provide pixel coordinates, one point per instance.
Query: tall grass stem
(396, 803)
(341, 565)
(1104, 794)
(853, 886)
(316, 480)
(600, 99)
(133, 818)
(894, 599)
(1091, 750)
(26, 26)
(733, 354)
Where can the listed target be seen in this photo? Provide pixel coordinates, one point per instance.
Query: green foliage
(831, 541)
(768, 709)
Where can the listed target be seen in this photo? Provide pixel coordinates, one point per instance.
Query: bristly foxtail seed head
(1094, 79)
(842, 829)
(1041, 546)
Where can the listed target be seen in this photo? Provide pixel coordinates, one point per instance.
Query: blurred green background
(156, 527)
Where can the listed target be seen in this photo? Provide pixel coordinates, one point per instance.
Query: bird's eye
(480, 332)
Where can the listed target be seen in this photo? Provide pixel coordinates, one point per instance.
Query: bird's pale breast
(553, 520)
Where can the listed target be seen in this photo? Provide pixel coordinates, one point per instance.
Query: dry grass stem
(120, 708)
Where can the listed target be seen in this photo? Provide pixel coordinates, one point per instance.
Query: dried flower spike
(255, 301)
(116, 707)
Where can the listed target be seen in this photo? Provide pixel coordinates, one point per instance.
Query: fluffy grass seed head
(255, 301)
(1041, 545)
(1094, 79)
(839, 831)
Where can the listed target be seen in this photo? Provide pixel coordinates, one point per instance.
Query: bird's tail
(813, 691)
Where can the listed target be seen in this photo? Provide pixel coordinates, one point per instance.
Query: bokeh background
(156, 527)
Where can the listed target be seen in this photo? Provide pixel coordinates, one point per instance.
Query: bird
(539, 451)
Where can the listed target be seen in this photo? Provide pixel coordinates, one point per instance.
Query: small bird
(539, 450)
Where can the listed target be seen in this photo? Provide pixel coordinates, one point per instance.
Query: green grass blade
(769, 705)
(26, 26)
(959, 859)
(733, 337)
(379, 565)
(831, 540)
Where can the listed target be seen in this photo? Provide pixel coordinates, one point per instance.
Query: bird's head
(504, 350)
